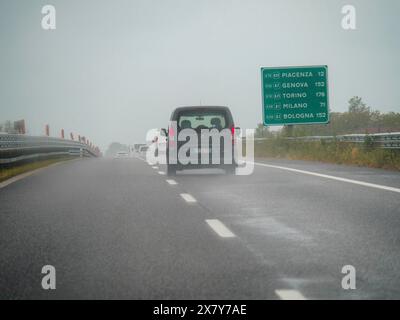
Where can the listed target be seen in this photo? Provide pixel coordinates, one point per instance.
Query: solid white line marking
(220, 228)
(19, 177)
(290, 295)
(24, 175)
(188, 198)
(361, 183)
(172, 182)
(161, 172)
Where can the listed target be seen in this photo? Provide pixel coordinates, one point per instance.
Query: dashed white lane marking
(290, 295)
(154, 167)
(140, 158)
(161, 172)
(188, 198)
(172, 182)
(220, 228)
(361, 183)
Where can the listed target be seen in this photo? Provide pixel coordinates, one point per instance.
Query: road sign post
(295, 95)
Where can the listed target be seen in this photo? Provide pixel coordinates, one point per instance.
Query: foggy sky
(114, 69)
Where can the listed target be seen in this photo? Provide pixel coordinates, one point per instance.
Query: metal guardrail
(381, 140)
(18, 147)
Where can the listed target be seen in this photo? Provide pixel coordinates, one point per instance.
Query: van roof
(188, 108)
(201, 107)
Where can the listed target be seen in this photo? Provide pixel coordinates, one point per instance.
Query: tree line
(359, 118)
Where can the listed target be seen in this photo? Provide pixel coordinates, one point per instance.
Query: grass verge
(331, 152)
(7, 173)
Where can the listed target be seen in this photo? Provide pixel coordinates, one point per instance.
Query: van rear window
(202, 120)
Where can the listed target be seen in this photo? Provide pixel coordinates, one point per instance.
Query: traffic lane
(310, 227)
(384, 177)
(116, 229)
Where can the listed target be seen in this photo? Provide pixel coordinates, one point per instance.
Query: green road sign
(295, 95)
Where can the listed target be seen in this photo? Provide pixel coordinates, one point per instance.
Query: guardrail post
(289, 130)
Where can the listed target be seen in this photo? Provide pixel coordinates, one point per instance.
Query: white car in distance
(121, 155)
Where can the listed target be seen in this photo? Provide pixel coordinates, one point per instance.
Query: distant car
(143, 149)
(198, 118)
(136, 146)
(159, 143)
(121, 154)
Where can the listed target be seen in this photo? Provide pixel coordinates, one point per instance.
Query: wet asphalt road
(117, 229)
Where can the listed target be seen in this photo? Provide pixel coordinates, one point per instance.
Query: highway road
(122, 229)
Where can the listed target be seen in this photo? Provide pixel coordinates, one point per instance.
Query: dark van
(197, 119)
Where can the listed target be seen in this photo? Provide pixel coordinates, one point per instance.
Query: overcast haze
(114, 69)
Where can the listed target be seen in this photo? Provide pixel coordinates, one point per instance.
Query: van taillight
(233, 133)
(171, 132)
(171, 137)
